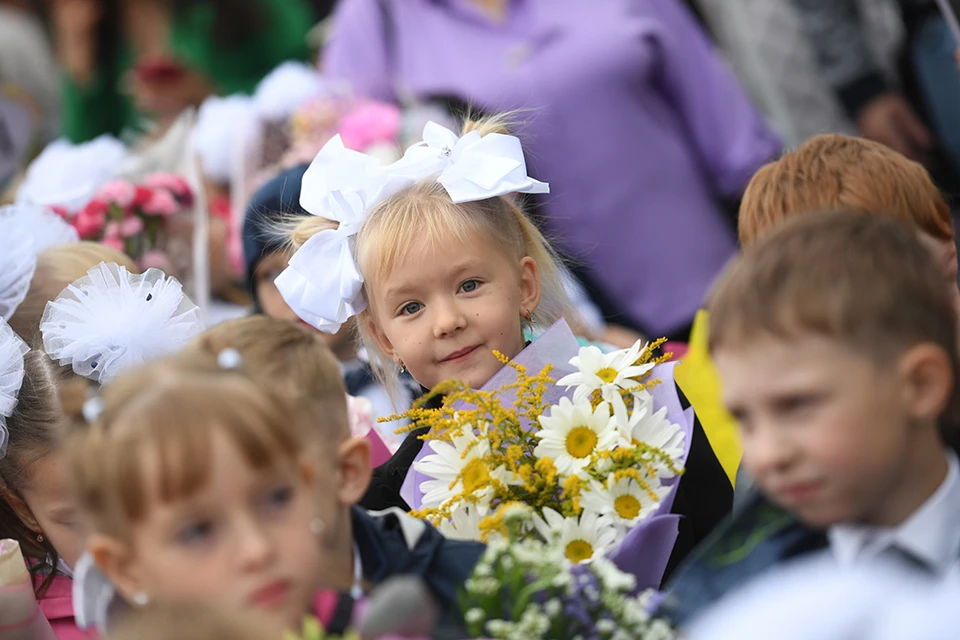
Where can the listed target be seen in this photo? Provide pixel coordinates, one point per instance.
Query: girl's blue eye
(195, 532)
(469, 286)
(279, 498)
(411, 308)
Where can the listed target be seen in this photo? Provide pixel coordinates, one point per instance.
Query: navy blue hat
(271, 204)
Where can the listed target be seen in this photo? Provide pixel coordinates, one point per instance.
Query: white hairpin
(12, 350)
(25, 231)
(229, 358)
(322, 283)
(111, 320)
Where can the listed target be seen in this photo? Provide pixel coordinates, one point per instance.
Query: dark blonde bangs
(174, 421)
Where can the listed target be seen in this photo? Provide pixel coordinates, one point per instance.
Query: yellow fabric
(699, 381)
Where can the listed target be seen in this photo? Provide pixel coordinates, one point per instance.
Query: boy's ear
(927, 375)
(529, 284)
(355, 470)
(115, 560)
(20, 508)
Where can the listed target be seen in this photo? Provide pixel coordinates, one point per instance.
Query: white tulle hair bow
(12, 350)
(111, 320)
(323, 283)
(25, 231)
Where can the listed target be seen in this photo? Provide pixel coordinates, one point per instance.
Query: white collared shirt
(931, 534)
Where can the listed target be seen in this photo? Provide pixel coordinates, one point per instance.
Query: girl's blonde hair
(425, 212)
(58, 267)
(295, 364)
(169, 409)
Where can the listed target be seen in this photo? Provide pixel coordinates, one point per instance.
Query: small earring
(403, 367)
(39, 538)
(141, 599)
(528, 316)
(317, 526)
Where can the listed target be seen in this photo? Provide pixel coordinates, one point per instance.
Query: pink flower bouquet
(134, 218)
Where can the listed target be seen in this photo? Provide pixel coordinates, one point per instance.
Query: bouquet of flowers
(525, 588)
(595, 454)
(134, 218)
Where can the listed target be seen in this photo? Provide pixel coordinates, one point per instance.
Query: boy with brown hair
(836, 344)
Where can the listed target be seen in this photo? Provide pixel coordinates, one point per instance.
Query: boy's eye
(411, 308)
(469, 286)
(195, 532)
(796, 404)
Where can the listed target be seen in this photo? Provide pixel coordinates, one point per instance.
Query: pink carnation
(369, 124)
(156, 259)
(172, 182)
(161, 203)
(118, 192)
(89, 221)
(131, 226)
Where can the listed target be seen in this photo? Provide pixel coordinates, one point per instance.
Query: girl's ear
(20, 508)
(355, 470)
(529, 285)
(383, 342)
(115, 560)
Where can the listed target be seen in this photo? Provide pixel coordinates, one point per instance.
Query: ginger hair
(58, 267)
(424, 212)
(838, 172)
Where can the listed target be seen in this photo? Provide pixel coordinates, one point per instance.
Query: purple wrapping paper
(645, 550)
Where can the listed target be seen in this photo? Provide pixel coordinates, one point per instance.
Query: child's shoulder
(757, 538)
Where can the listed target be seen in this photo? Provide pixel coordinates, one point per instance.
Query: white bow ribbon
(470, 168)
(322, 283)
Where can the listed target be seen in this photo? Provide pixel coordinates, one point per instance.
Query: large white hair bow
(111, 320)
(470, 168)
(323, 284)
(25, 231)
(12, 350)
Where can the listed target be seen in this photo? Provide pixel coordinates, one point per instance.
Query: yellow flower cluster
(508, 428)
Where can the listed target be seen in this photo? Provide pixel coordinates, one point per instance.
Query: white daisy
(653, 429)
(625, 502)
(463, 525)
(608, 372)
(573, 432)
(581, 539)
(462, 458)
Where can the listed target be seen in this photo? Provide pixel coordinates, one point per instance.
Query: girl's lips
(270, 595)
(461, 354)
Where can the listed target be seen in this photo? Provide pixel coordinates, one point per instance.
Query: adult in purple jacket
(633, 119)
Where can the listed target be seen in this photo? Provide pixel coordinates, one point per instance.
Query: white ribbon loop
(322, 283)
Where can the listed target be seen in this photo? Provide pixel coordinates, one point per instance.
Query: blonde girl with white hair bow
(432, 254)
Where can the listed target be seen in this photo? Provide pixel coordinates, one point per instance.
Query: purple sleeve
(730, 136)
(357, 50)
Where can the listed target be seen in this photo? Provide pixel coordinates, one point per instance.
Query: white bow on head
(470, 168)
(12, 350)
(111, 320)
(322, 283)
